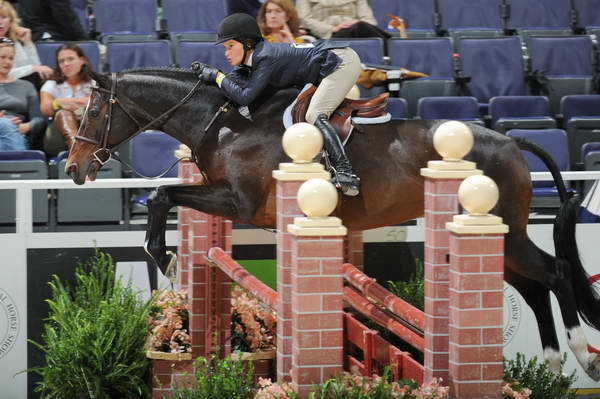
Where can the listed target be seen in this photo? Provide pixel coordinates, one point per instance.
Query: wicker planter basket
(168, 356)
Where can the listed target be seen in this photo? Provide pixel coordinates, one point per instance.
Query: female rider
(332, 66)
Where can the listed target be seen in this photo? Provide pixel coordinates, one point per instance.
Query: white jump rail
(24, 189)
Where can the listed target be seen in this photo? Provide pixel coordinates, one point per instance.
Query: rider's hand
(205, 72)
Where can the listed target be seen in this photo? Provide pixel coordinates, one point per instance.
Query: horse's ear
(101, 79)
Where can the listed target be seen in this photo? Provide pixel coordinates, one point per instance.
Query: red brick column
(208, 287)
(317, 288)
(441, 204)
(289, 179)
(476, 298)
(475, 349)
(186, 169)
(167, 373)
(354, 249)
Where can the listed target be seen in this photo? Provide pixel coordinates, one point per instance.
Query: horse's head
(104, 126)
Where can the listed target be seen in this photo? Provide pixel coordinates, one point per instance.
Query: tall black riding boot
(343, 175)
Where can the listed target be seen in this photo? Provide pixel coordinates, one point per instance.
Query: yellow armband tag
(55, 105)
(220, 77)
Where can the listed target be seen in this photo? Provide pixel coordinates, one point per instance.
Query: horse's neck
(152, 99)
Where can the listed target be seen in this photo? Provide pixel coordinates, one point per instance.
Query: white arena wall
(29, 259)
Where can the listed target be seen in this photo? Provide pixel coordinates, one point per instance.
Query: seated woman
(20, 119)
(339, 18)
(65, 97)
(27, 62)
(278, 22)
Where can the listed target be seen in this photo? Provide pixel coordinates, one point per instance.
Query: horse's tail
(548, 161)
(587, 298)
(565, 244)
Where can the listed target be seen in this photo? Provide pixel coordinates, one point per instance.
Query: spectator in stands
(65, 97)
(21, 122)
(278, 21)
(27, 63)
(339, 18)
(332, 66)
(51, 19)
(244, 6)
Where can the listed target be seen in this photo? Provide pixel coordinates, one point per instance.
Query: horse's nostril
(71, 169)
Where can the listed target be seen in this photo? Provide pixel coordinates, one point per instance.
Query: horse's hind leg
(527, 262)
(538, 298)
(212, 199)
(562, 287)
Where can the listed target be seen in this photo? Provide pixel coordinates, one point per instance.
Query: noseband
(104, 153)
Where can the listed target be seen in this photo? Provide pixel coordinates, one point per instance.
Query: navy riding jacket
(282, 65)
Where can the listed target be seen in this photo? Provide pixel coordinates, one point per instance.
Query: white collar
(249, 63)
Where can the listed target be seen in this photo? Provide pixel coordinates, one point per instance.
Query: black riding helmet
(239, 27)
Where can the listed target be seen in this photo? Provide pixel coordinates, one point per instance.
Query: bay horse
(237, 155)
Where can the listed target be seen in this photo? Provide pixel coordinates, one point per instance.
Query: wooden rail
(376, 351)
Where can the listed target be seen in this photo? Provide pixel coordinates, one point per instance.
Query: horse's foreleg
(537, 297)
(213, 199)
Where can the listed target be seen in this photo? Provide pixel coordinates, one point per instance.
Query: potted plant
(253, 332)
(169, 338)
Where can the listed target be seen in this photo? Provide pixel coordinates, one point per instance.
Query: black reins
(104, 153)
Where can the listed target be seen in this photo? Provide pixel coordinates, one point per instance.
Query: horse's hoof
(593, 369)
(171, 270)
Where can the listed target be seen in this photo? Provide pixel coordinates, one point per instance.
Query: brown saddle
(340, 119)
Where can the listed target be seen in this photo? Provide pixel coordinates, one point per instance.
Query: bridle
(105, 153)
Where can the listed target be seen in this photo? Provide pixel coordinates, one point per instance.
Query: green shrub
(544, 383)
(219, 378)
(93, 339)
(413, 290)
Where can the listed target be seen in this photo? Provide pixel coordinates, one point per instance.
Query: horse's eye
(94, 113)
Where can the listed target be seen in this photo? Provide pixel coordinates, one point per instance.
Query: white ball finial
(302, 142)
(317, 198)
(453, 140)
(478, 194)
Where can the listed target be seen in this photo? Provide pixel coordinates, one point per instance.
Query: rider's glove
(205, 72)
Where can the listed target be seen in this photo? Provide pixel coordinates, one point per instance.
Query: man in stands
(51, 19)
(246, 6)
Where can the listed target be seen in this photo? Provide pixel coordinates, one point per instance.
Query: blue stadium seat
(151, 153)
(369, 50)
(582, 119)
(396, 107)
(124, 55)
(550, 54)
(520, 112)
(456, 108)
(495, 66)
(471, 14)
(539, 13)
(590, 157)
(589, 12)
(80, 9)
(47, 52)
(416, 14)
(125, 16)
(23, 165)
(430, 56)
(554, 141)
(188, 51)
(193, 15)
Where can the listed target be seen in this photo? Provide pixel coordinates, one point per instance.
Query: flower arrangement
(515, 391)
(170, 323)
(254, 324)
(349, 386)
